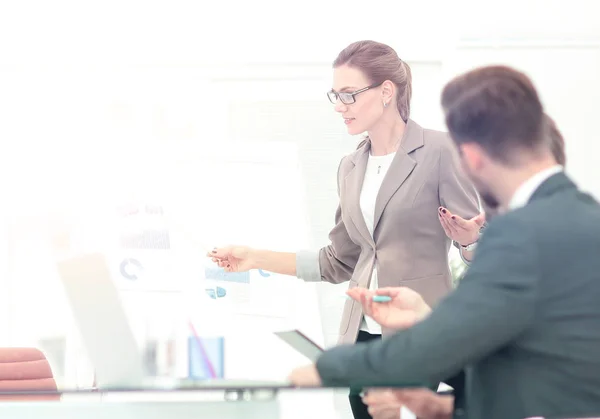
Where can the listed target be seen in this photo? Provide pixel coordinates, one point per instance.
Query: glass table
(223, 401)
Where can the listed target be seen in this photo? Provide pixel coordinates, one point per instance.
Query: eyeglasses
(348, 98)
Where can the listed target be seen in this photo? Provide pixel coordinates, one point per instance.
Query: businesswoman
(391, 190)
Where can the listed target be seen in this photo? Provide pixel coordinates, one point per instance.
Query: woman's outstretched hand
(462, 231)
(233, 258)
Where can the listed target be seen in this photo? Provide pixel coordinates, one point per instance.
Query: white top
(524, 192)
(377, 167)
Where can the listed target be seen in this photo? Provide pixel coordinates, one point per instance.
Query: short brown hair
(496, 107)
(380, 62)
(557, 142)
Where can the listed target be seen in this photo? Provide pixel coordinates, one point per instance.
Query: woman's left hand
(462, 231)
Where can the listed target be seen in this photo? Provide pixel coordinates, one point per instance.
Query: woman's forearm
(279, 262)
(467, 255)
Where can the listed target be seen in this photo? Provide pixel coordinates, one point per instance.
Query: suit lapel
(353, 186)
(401, 167)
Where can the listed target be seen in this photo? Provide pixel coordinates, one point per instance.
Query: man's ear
(472, 156)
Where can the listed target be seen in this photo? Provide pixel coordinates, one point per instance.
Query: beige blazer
(408, 245)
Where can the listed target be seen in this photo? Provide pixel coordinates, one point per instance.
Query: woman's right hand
(233, 258)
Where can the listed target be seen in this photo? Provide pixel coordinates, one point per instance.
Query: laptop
(107, 336)
(101, 320)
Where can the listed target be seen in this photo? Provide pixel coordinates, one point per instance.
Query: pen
(376, 298)
(381, 299)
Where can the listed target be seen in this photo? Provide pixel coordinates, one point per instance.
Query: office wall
(558, 45)
(79, 81)
(566, 75)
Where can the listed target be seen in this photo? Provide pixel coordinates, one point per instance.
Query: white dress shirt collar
(524, 193)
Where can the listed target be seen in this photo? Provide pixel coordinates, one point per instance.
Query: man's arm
(492, 305)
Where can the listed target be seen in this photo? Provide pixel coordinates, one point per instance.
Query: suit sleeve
(456, 191)
(492, 305)
(335, 262)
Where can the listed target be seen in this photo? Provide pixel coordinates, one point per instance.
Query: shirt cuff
(307, 266)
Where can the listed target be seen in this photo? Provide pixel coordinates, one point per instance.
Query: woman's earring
(385, 104)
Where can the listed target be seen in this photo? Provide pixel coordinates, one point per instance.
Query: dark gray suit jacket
(524, 322)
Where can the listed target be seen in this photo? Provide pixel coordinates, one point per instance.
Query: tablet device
(301, 343)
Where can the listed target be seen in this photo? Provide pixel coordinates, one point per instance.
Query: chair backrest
(26, 369)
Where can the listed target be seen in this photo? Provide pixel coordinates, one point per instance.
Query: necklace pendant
(378, 169)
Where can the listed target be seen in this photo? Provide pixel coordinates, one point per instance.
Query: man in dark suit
(524, 322)
(425, 403)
